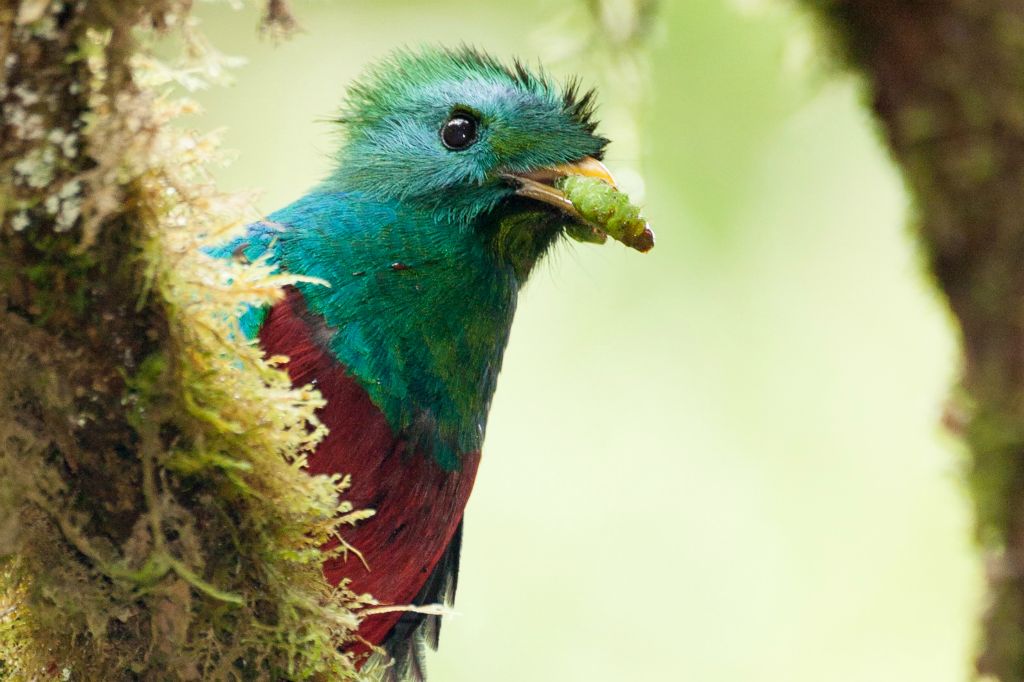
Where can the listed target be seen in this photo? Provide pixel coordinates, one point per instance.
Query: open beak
(600, 213)
(539, 184)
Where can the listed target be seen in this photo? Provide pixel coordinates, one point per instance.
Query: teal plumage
(422, 323)
(438, 209)
(392, 116)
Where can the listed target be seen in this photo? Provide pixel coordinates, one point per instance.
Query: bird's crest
(373, 93)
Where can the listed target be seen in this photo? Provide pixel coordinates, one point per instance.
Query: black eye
(459, 131)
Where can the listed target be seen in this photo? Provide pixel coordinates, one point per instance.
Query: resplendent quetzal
(442, 201)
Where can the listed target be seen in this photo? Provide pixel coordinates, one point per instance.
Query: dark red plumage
(418, 504)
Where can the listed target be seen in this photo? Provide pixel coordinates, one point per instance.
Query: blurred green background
(716, 462)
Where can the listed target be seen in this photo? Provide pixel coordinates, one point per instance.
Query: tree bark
(946, 81)
(155, 520)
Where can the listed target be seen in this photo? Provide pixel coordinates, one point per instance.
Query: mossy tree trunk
(155, 520)
(946, 80)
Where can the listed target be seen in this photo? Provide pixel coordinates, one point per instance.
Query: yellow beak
(539, 184)
(587, 166)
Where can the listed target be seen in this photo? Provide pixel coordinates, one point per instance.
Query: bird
(442, 199)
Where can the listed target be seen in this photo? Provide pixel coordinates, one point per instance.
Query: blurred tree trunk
(155, 520)
(946, 81)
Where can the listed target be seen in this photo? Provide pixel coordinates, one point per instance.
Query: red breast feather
(418, 505)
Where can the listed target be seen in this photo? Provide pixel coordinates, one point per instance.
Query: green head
(460, 135)
(445, 195)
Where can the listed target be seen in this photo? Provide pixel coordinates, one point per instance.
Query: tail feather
(405, 643)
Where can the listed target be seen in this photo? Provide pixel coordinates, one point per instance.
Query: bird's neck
(418, 310)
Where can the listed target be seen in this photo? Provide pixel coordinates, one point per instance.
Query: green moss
(156, 520)
(996, 473)
(919, 124)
